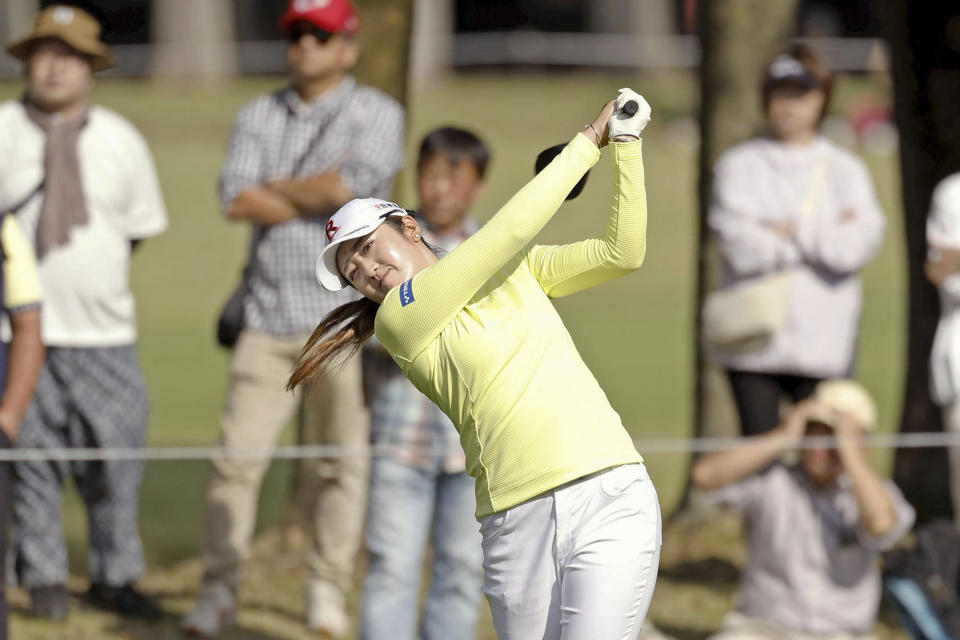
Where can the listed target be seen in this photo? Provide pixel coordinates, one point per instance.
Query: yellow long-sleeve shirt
(477, 334)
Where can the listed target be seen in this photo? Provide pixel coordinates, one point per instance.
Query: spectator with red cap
(294, 157)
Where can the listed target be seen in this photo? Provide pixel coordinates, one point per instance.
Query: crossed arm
(250, 192)
(284, 200)
(842, 242)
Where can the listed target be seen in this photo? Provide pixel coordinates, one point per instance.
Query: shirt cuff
(905, 518)
(585, 149)
(23, 308)
(629, 150)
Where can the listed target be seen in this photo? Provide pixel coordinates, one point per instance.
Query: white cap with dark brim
(353, 220)
(785, 69)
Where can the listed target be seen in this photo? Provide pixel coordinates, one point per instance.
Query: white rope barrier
(295, 452)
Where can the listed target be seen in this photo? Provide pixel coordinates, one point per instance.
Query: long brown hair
(342, 331)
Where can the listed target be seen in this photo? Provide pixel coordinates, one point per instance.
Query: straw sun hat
(75, 27)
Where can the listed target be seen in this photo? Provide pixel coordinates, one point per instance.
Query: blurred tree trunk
(738, 40)
(431, 47)
(194, 39)
(385, 27)
(16, 18)
(925, 46)
(641, 17)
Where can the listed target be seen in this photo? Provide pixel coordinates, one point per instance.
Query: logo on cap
(785, 65)
(63, 15)
(303, 6)
(331, 230)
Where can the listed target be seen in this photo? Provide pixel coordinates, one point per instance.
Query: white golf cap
(355, 219)
(849, 397)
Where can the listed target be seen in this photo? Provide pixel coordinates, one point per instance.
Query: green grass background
(635, 333)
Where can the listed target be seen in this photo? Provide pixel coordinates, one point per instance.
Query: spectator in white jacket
(942, 269)
(794, 201)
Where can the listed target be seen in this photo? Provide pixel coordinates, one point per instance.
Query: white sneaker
(326, 610)
(215, 609)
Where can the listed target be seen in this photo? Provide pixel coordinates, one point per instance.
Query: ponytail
(344, 329)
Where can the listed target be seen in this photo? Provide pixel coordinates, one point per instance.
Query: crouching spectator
(815, 528)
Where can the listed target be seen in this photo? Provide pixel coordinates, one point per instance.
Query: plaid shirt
(354, 130)
(415, 430)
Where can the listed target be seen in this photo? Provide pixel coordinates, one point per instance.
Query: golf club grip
(631, 107)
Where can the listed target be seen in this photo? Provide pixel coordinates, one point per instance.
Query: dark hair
(342, 331)
(814, 64)
(456, 144)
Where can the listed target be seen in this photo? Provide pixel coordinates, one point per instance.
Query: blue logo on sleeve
(406, 293)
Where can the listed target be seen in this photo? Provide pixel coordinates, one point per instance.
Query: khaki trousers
(256, 410)
(737, 626)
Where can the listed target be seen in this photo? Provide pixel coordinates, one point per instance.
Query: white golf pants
(578, 562)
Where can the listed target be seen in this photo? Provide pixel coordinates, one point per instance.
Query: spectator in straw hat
(90, 193)
(294, 157)
(815, 528)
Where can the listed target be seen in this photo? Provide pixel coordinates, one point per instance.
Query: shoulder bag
(747, 315)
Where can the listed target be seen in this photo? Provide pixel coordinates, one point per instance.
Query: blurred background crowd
(167, 169)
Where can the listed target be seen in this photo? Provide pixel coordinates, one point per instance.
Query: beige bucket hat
(74, 26)
(847, 396)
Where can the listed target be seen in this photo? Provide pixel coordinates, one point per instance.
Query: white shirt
(87, 297)
(943, 230)
(762, 181)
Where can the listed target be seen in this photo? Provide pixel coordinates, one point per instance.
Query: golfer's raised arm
(442, 290)
(566, 269)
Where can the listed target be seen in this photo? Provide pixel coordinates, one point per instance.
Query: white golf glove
(622, 123)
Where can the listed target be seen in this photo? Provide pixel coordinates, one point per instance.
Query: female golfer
(569, 518)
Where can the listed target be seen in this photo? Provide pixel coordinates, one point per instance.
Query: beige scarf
(64, 205)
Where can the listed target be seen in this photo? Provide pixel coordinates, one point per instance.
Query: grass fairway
(635, 333)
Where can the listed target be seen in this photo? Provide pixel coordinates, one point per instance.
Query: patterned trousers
(89, 397)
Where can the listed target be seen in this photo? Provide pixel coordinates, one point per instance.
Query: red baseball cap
(335, 16)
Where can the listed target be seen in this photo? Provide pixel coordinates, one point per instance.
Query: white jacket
(943, 230)
(762, 182)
